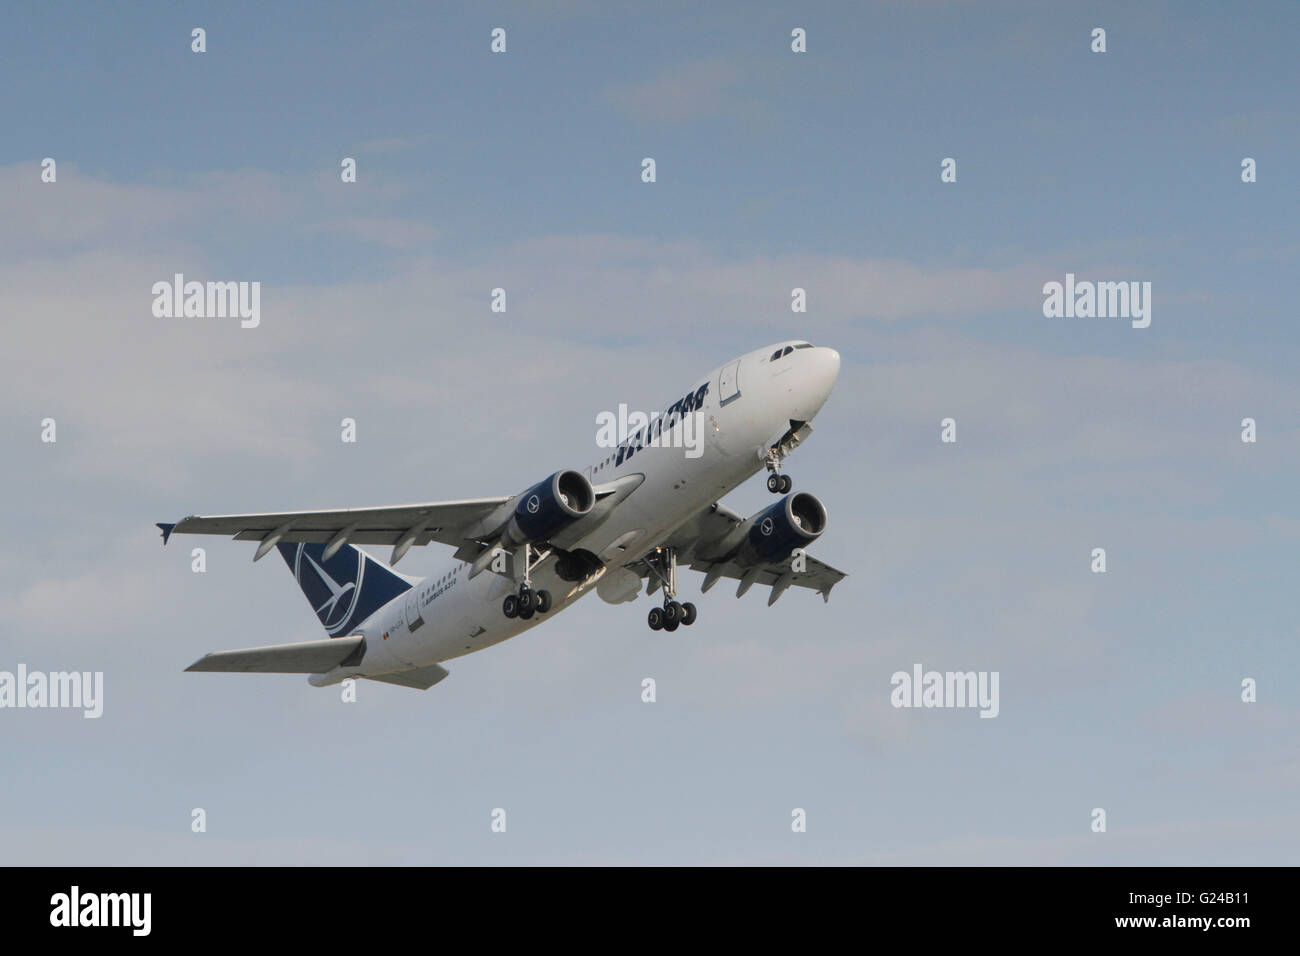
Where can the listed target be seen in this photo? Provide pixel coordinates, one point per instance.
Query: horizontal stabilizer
(421, 678)
(306, 657)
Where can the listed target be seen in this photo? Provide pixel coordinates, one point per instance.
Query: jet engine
(547, 507)
(795, 521)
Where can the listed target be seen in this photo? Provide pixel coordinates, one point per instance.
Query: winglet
(166, 530)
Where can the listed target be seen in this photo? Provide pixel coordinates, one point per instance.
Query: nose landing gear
(778, 483)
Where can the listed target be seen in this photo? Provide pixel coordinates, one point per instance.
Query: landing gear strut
(778, 483)
(663, 565)
(526, 602)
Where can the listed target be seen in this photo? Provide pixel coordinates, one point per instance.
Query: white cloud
(680, 93)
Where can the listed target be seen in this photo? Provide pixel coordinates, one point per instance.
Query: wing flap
(421, 678)
(817, 575)
(305, 657)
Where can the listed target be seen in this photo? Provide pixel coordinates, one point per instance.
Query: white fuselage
(749, 403)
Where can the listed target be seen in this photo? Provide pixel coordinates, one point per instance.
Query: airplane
(646, 509)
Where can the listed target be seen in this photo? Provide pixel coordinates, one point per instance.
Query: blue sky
(775, 170)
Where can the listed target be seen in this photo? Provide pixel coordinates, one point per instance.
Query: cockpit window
(782, 353)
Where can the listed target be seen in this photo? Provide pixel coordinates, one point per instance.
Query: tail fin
(346, 589)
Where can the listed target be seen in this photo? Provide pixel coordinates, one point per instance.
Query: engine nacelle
(795, 521)
(547, 507)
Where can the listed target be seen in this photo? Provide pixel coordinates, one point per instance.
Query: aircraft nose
(831, 359)
(823, 368)
(827, 370)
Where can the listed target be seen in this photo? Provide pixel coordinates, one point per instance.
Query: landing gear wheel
(672, 614)
(672, 625)
(786, 484)
(688, 614)
(656, 618)
(510, 606)
(525, 615)
(543, 601)
(526, 604)
(774, 482)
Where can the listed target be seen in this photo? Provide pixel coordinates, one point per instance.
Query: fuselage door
(729, 383)
(413, 619)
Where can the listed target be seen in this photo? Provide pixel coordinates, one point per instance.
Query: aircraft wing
(449, 522)
(694, 542)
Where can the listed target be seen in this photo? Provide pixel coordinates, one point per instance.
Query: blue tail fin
(346, 589)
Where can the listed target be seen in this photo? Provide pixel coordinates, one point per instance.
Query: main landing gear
(663, 565)
(672, 615)
(527, 602)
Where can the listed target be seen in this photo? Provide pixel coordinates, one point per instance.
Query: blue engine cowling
(793, 522)
(548, 506)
